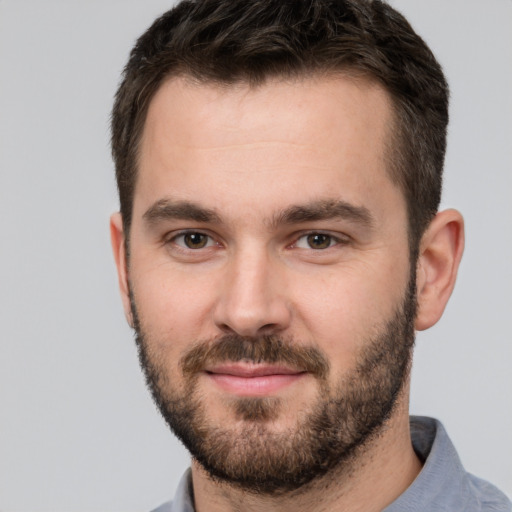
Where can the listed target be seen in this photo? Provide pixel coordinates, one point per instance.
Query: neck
(381, 471)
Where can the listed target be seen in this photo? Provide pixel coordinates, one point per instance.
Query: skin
(247, 155)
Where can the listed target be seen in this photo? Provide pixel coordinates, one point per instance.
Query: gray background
(78, 430)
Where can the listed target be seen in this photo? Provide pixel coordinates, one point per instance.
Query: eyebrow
(167, 209)
(324, 210)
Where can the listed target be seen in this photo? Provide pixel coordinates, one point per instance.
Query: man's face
(269, 273)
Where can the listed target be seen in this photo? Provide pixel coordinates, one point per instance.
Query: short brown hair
(228, 41)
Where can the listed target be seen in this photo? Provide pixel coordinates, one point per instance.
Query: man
(279, 168)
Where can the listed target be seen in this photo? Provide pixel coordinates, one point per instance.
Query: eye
(193, 240)
(316, 241)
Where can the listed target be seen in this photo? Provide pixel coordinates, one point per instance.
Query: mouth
(253, 380)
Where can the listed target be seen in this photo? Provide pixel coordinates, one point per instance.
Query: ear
(441, 249)
(117, 238)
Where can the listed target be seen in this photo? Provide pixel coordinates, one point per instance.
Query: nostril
(249, 329)
(225, 328)
(249, 307)
(268, 328)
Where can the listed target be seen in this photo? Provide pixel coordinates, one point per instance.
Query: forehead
(322, 102)
(313, 136)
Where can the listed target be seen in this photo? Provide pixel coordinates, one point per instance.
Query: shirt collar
(442, 483)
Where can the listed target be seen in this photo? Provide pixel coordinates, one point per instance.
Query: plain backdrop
(78, 431)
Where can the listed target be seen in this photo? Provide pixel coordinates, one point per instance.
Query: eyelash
(333, 240)
(173, 240)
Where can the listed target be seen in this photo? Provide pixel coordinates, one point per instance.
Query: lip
(245, 379)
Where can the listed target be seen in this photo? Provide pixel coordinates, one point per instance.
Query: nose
(252, 299)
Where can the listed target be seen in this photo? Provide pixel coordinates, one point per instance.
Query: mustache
(269, 349)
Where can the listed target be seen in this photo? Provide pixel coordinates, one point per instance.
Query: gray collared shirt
(442, 485)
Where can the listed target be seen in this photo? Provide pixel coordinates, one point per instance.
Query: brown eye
(195, 240)
(319, 241)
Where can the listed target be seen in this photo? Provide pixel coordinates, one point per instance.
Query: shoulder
(486, 497)
(443, 484)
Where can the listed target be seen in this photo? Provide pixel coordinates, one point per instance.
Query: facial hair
(344, 419)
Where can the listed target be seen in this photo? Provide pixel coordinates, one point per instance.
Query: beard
(328, 434)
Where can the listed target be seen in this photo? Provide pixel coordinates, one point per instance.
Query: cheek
(343, 310)
(173, 306)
